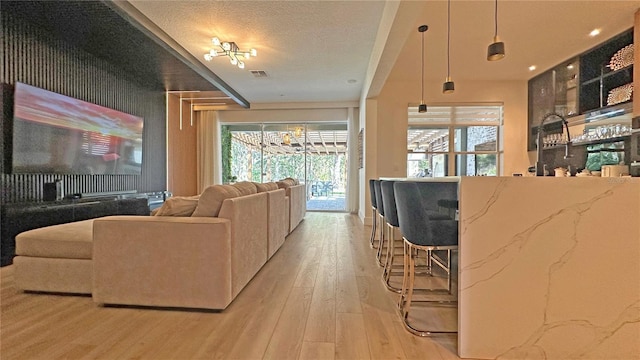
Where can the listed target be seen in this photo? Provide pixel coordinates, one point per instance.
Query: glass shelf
(591, 142)
(602, 141)
(609, 74)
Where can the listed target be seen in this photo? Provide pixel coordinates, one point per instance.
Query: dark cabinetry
(20, 217)
(556, 91)
(602, 76)
(596, 79)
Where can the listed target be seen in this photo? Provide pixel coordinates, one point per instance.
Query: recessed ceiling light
(532, 67)
(594, 32)
(352, 81)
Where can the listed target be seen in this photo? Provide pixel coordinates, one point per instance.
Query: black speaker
(52, 191)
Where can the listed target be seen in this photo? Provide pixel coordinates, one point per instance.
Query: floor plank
(317, 351)
(321, 325)
(351, 337)
(286, 341)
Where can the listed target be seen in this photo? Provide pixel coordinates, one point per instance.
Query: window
(462, 140)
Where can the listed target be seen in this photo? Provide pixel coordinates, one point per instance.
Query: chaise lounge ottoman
(55, 258)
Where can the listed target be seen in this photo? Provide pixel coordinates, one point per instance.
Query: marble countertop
(549, 268)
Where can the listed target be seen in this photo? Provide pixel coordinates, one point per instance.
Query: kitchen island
(549, 268)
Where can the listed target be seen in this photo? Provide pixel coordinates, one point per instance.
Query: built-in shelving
(597, 78)
(579, 85)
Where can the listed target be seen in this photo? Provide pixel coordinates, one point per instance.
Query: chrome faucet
(567, 150)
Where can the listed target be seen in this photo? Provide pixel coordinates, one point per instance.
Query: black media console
(19, 217)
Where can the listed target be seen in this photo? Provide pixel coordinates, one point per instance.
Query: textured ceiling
(311, 49)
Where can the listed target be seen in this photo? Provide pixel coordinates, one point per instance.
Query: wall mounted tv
(57, 134)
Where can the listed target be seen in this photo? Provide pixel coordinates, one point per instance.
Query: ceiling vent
(259, 73)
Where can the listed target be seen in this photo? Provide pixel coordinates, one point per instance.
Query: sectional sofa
(197, 252)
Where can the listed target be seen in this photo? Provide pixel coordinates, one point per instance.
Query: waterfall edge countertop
(549, 268)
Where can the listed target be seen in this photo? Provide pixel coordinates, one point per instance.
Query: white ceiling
(311, 49)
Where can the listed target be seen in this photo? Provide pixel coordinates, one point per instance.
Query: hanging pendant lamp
(422, 108)
(496, 49)
(448, 87)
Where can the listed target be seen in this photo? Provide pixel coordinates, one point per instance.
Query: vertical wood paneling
(32, 55)
(182, 145)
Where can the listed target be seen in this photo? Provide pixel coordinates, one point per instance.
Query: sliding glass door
(315, 154)
(283, 152)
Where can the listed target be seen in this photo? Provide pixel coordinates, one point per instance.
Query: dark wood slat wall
(32, 56)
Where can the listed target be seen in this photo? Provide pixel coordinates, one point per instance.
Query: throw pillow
(264, 187)
(283, 184)
(211, 199)
(293, 181)
(178, 206)
(246, 187)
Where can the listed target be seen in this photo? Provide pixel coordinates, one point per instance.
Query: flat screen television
(57, 134)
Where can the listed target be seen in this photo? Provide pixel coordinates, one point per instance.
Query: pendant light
(286, 139)
(448, 87)
(423, 107)
(496, 49)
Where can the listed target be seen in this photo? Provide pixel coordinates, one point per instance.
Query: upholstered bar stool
(438, 199)
(420, 233)
(374, 211)
(391, 219)
(380, 203)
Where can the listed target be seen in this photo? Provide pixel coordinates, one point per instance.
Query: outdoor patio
(326, 203)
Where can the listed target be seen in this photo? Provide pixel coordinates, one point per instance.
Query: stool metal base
(374, 228)
(408, 284)
(388, 264)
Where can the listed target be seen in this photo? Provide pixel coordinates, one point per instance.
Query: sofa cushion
(286, 183)
(66, 241)
(283, 185)
(293, 181)
(178, 206)
(264, 187)
(246, 187)
(212, 197)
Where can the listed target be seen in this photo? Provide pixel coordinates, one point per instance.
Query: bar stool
(422, 233)
(380, 203)
(440, 199)
(391, 219)
(374, 212)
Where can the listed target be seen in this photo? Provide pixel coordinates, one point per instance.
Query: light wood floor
(319, 297)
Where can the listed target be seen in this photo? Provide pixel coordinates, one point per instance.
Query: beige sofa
(194, 262)
(297, 205)
(183, 261)
(296, 201)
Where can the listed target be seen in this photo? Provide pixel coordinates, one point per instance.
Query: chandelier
(230, 49)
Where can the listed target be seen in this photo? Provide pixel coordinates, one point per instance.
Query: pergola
(317, 142)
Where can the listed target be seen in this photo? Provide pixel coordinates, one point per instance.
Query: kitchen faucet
(567, 150)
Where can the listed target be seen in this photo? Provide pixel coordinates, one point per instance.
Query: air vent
(259, 73)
